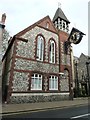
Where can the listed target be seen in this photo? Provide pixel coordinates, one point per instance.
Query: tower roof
(60, 14)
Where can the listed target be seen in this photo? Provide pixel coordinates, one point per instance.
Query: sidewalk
(14, 108)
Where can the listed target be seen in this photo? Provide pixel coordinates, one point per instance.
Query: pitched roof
(83, 55)
(38, 24)
(60, 13)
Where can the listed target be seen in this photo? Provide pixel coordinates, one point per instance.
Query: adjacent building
(82, 74)
(36, 65)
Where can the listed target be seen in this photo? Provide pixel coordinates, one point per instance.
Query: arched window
(47, 25)
(40, 48)
(52, 52)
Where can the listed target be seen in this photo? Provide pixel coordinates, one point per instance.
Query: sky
(23, 13)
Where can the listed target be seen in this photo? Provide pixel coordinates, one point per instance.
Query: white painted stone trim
(34, 94)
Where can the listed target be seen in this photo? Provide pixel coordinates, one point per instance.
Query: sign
(75, 36)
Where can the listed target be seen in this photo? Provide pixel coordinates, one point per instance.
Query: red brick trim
(11, 72)
(47, 29)
(24, 58)
(21, 39)
(32, 26)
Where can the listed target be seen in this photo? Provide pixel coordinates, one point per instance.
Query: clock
(76, 37)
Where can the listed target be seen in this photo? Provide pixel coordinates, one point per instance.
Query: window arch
(52, 51)
(40, 48)
(47, 25)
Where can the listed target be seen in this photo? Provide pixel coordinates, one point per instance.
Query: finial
(3, 18)
(59, 5)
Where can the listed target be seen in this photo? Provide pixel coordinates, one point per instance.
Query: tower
(61, 23)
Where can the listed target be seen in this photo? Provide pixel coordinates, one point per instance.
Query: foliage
(80, 93)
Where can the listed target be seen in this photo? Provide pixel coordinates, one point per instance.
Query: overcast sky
(23, 13)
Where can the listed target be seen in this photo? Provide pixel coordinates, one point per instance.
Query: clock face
(75, 38)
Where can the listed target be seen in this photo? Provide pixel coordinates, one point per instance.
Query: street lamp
(76, 81)
(75, 37)
(88, 77)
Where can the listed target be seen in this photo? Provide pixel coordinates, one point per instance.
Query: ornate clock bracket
(75, 37)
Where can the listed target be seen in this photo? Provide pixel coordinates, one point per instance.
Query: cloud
(22, 13)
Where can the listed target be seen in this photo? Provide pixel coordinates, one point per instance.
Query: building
(2, 29)
(5, 41)
(2, 26)
(82, 73)
(36, 65)
(4, 36)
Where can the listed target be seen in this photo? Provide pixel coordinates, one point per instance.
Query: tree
(5, 39)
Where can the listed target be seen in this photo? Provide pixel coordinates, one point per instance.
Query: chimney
(3, 18)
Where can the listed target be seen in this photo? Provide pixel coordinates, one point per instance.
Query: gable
(82, 56)
(41, 23)
(47, 24)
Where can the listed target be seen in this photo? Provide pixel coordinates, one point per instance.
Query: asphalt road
(74, 113)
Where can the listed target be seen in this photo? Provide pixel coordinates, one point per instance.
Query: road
(74, 113)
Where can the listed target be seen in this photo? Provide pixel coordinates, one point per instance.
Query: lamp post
(76, 81)
(88, 77)
(75, 37)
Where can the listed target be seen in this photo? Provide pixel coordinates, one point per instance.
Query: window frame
(53, 83)
(40, 49)
(37, 79)
(52, 53)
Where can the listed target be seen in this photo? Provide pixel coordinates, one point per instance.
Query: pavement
(25, 107)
